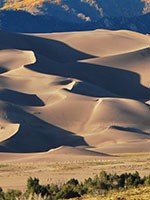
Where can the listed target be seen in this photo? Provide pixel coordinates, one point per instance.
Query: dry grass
(140, 193)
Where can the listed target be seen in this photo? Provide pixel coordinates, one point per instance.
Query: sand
(75, 93)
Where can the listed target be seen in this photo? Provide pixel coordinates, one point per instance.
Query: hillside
(62, 15)
(21, 21)
(84, 9)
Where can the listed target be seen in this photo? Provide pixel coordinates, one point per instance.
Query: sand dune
(7, 130)
(12, 58)
(64, 150)
(66, 93)
(137, 62)
(103, 43)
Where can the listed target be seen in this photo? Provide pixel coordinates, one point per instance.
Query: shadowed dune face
(55, 50)
(83, 89)
(107, 78)
(14, 98)
(35, 135)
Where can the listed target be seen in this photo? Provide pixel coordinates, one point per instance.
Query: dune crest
(12, 59)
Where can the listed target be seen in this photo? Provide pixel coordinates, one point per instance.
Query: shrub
(33, 187)
(12, 195)
(1, 193)
(67, 192)
(147, 180)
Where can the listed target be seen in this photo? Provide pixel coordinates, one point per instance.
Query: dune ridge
(75, 93)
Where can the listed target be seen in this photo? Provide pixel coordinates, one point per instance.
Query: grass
(140, 193)
(3, 165)
(129, 155)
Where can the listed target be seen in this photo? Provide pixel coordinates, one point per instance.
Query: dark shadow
(20, 98)
(116, 82)
(130, 129)
(2, 70)
(87, 89)
(35, 135)
(52, 49)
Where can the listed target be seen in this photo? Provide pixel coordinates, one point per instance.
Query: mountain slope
(60, 15)
(85, 9)
(21, 21)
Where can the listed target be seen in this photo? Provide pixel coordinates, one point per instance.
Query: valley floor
(15, 169)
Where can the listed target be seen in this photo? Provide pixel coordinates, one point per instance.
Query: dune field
(84, 90)
(70, 97)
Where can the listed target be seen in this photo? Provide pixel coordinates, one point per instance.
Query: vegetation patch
(3, 165)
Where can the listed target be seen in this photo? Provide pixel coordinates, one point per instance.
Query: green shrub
(12, 195)
(147, 180)
(1, 193)
(67, 192)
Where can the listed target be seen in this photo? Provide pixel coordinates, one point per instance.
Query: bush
(147, 180)
(1, 193)
(73, 182)
(12, 195)
(67, 192)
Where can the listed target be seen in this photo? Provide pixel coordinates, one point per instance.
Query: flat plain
(15, 171)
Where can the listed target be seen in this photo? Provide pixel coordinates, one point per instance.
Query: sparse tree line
(100, 184)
